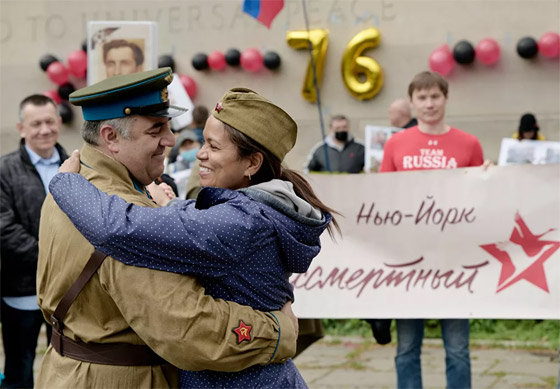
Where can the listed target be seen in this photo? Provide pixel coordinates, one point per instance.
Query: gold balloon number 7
(362, 76)
(319, 40)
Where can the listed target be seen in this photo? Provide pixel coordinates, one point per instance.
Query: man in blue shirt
(24, 178)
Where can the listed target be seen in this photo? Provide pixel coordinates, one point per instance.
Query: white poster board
(375, 139)
(178, 96)
(513, 151)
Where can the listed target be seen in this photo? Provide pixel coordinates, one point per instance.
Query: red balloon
(441, 60)
(217, 60)
(488, 51)
(53, 94)
(549, 45)
(58, 73)
(251, 60)
(77, 63)
(189, 85)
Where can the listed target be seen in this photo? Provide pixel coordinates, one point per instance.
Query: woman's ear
(109, 138)
(255, 163)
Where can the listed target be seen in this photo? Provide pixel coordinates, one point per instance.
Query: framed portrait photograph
(120, 47)
(375, 139)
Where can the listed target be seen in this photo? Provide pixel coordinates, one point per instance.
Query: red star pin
(533, 247)
(219, 107)
(243, 332)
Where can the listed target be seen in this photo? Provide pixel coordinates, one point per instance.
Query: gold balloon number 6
(362, 76)
(319, 40)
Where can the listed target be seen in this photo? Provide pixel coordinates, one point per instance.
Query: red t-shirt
(412, 149)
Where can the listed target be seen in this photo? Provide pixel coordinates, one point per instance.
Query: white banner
(462, 243)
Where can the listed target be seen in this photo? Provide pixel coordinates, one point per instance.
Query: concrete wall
(484, 100)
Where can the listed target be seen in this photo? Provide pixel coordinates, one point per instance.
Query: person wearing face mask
(345, 154)
(187, 145)
(181, 161)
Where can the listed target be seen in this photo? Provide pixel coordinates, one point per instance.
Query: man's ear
(19, 127)
(255, 162)
(109, 138)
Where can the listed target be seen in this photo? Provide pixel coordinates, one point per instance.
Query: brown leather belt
(120, 354)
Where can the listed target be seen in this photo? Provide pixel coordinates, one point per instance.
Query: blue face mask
(189, 155)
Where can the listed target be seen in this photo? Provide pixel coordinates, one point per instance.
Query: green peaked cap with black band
(259, 119)
(143, 94)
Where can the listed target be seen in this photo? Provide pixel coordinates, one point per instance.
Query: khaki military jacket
(168, 312)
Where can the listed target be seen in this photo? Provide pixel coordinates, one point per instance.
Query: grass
(545, 333)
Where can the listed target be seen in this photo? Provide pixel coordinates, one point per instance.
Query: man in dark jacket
(24, 178)
(345, 155)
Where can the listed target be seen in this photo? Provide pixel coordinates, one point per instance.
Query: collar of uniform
(139, 187)
(36, 158)
(104, 164)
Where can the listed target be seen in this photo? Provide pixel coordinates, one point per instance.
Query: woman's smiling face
(220, 163)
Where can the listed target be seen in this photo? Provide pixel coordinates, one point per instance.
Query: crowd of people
(141, 287)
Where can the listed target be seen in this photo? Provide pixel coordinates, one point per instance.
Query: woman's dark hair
(272, 168)
(528, 123)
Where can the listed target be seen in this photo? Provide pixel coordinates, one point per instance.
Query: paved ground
(361, 363)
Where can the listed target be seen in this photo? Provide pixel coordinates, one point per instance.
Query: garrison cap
(143, 93)
(259, 119)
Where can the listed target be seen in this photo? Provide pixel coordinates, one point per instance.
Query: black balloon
(463, 53)
(233, 57)
(64, 90)
(200, 61)
(84, 45)
(165, 61)
(46, 60)
(271, 60)
(527, 47)
(65, 112)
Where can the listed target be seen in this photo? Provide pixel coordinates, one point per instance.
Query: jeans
(20, 330)
(455, 334)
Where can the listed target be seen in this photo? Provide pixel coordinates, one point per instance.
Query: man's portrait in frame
(120, 47)
(121, 56)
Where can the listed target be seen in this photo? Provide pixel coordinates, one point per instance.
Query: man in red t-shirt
(432, 144)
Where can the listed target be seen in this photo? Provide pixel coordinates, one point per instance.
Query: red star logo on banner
(533, 247)
(243, 332)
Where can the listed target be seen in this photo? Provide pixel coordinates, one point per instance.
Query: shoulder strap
(72, 293)
(120, 354)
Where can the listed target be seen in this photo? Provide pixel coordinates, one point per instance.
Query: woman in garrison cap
(253, 224)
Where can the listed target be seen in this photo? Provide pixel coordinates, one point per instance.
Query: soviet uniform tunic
(166, 311)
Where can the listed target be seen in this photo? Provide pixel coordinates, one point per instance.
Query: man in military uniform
(115, 329)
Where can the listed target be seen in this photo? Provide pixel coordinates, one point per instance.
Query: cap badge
(243, 331)
(169, 78)
(219, 107)
(164, 95)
